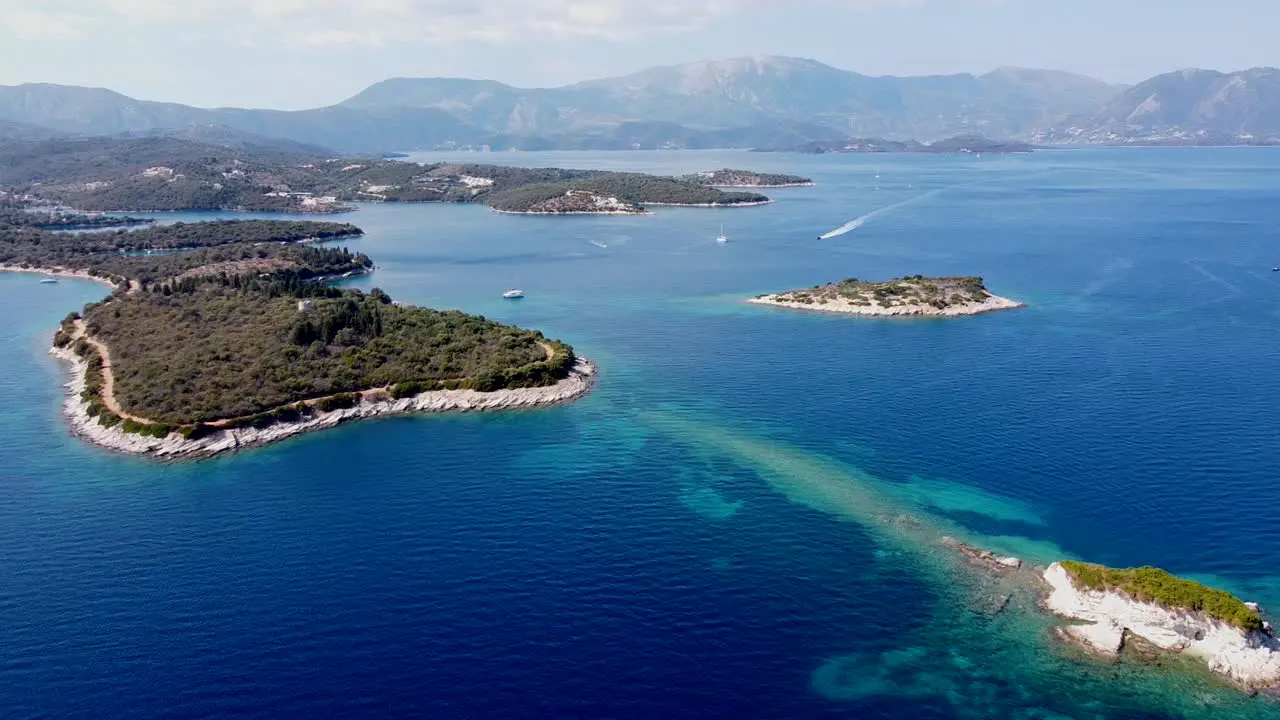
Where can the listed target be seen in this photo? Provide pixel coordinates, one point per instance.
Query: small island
(224, 335)
(913, 295)
(1171, 613)
(727, 178)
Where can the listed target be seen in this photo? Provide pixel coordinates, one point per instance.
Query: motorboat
(513, 294)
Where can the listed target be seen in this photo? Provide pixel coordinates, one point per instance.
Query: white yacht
(513, 294)
(49, 281)
(722, 238)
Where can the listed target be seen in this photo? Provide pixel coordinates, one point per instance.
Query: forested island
(913, 295)
(222, 335)
(966, 144)
(728, 178)
(160, 173)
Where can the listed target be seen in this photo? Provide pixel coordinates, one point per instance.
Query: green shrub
(196, 431)
(1153, 585)
(340, 401)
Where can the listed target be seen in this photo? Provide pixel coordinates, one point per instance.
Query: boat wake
(858, 222)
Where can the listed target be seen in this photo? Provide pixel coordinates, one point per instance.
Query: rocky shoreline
(570, 212)
(713, 205)
(1249, 659)
(763, 187)
(992, 303)
(175, 447)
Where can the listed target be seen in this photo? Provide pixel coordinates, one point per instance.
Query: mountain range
(743, 102)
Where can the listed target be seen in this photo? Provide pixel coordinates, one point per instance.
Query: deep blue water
(653, 550)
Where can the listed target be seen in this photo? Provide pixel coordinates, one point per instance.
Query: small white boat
(722, 238)
(49, 281)
(513, 294)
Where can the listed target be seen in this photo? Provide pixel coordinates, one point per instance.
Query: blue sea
(739, 521)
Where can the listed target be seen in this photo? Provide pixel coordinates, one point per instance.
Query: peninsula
(727, 178)
(911, 296)
(228, 337)
(962, 144)
(1169, 612)
(162, 174)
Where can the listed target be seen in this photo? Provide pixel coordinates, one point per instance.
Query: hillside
(746, 92)
(1189, 106)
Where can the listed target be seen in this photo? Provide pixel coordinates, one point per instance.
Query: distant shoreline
(713, 205)
(764, 187)
(568, 212)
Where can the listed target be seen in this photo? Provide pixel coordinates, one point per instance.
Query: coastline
(174, 447)
(59, 272)
(238, 209)
(713, 205)
(993, 303)
(569, 212)
(764, 187)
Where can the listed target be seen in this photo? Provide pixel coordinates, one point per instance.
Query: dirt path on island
(108, 394)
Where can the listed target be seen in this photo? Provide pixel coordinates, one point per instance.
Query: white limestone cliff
(1249, 658)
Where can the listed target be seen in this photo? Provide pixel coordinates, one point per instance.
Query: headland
(224, 335)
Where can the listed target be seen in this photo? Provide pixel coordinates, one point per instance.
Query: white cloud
(34, 23)
(386, 22)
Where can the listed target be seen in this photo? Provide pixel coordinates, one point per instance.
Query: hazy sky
(306, 53)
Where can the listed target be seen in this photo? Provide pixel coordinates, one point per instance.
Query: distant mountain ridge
(1183, 107)
(741, 102)
(758, 90)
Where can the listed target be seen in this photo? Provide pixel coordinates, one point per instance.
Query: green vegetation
(14, 216)
(630, 188)
(151, 254)
(189, 351)
(641, 189)
(745, 178)
(527, 198)
(940, 293)
(1153, 585)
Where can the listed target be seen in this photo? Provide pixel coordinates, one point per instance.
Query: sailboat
(722, 238)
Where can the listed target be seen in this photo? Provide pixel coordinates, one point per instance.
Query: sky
(293, 54)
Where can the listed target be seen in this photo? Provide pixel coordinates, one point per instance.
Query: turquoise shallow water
(712, 532)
